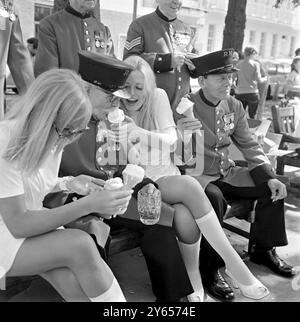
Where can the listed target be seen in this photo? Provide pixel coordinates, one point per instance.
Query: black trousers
(268, 229)
(166, 268)
(251, 100)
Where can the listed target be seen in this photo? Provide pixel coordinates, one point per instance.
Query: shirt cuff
(261, 174)
(162, 63)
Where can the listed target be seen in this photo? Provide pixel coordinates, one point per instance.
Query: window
(274, 45)
(262, 44)
(149, 3)
(211, 37)
(40, 11)
(292, 46)
(252, 37)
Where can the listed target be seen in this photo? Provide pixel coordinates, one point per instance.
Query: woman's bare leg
(66, 284)
(187, 190)
(68, 248)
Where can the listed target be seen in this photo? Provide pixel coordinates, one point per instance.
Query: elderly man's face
(83, 5)
(103, 102)
(216, 87)
(170, 8)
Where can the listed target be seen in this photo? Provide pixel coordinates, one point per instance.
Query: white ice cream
(116, 116)
(185, 107)
(113, 184)
(132, 175)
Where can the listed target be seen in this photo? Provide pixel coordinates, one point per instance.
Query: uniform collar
(206, 101)
(76, 13)
(162, 16)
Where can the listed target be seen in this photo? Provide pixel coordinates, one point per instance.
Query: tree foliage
(278, 3)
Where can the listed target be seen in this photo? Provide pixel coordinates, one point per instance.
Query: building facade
(274, 32)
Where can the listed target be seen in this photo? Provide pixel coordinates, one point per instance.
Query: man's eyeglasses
(66, 133)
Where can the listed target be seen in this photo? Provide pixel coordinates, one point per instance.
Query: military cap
(107, 72)
(218, 62)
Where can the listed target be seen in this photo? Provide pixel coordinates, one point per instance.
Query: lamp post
(134, 14)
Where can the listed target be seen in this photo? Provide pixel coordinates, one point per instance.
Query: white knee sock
(113, 294)
(190, 256)
(214, 234)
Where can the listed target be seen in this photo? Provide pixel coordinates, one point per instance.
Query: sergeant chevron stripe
(134, 42)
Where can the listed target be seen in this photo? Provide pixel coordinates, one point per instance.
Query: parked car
(278, 70)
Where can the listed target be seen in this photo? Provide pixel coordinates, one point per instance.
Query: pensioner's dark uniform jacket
(14, 53)
(223, 125)
(152, 37)
(64, 34)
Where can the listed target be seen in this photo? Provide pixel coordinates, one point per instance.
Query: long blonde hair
(56, 98)
(146, 118)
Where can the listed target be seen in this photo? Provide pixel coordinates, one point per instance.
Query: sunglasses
(66, 133)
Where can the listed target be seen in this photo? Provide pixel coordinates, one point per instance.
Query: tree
(278, 3)
(60, 4)
(235, 22)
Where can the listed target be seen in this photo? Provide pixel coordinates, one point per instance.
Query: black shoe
(216, 286)
(271, 260)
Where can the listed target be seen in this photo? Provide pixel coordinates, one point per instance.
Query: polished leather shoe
(271, 260)
(216, 286)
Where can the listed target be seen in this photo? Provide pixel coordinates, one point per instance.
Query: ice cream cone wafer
(132, 175)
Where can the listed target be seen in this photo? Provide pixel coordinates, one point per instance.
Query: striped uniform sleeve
(135, 45)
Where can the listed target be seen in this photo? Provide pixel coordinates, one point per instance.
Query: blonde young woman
(52, 114)
(150, 116)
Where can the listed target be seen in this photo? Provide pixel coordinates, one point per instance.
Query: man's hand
(278, 189)
(177, 59)
(121, 133)
(189, 64)
(188, 124)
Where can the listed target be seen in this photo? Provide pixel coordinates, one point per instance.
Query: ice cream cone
(132, 175)
(185, 107)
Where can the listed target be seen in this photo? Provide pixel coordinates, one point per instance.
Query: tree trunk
(60, 4)
(235, 23)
